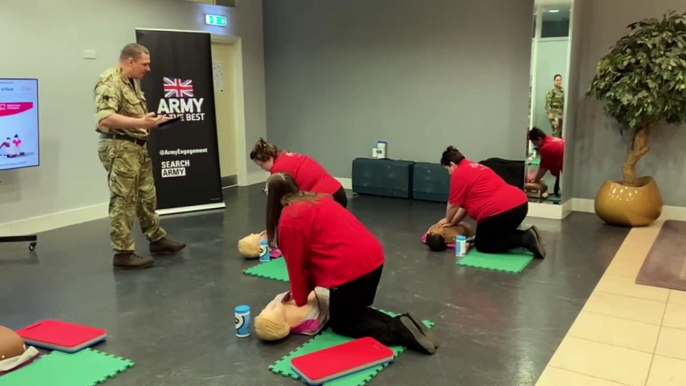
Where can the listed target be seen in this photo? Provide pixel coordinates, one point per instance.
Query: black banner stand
(184, 154)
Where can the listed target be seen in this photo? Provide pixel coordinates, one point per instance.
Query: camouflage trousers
(132, 192)
(556, 124)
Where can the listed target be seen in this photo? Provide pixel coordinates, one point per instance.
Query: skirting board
(586, 205)
(88, 213)
(256, 178)
(187, 209)
(54, 220)
(346, 182)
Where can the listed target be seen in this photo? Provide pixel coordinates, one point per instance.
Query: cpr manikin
(13, 351)
(439, 237)
(281, 317)
(537, 188)
(249, 246)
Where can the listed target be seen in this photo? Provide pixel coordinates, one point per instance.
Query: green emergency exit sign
(215, 20)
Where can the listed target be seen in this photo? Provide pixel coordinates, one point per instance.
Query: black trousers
(340, 197)
(351, 316)
(499, 233)
(556, 191)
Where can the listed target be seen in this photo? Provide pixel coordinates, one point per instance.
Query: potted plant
(642, 83)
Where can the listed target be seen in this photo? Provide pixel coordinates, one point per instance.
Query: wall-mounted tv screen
(19, 137)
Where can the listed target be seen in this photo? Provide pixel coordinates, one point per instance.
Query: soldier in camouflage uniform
(124, 124)
(554, 106)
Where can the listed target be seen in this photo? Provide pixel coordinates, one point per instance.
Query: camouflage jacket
(555, 102)
(115, 93)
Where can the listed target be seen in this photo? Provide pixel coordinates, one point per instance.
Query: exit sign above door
(215, 20)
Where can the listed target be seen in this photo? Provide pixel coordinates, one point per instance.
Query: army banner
(184, 154)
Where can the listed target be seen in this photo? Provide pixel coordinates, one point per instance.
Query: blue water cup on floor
(264, 250)
(243, 321)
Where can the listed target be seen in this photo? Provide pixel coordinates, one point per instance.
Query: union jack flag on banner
(178, 88)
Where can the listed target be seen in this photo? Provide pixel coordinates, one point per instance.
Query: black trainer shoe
(534, 228)
(424, 330)
(531, 243)
(130, 260)
(165, 246)
(413, 337)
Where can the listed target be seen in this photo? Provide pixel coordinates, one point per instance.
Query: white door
(223, 56)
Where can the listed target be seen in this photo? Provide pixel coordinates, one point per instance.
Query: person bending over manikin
(325, 245)
(17, 144)
(498, 207)
(552, 152)
(308, 173)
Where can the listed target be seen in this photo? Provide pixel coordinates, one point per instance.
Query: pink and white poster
(19, 147)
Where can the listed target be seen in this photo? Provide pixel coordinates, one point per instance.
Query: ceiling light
(554, 11)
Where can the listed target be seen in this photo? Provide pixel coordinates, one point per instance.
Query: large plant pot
(631, 206)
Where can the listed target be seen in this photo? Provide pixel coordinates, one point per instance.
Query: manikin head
(249, 246)
(271, 323)
(135, 61)
(11, 344)
(280, 317)
(537, 136)
(451, 158)
(558, 80)
(436, 242)
(263, 154)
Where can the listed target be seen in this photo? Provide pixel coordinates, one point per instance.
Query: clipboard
(169, 122)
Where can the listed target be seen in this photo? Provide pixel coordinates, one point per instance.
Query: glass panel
(550, 62)
(555, 21)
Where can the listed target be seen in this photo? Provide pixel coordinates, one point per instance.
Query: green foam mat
(329, 339)
(514, 261)
(87, 367)
(274, 269)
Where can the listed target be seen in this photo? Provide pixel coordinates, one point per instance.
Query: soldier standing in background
(124, 125)
(554, 106)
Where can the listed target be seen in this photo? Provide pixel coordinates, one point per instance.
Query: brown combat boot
(165, 246)
(130, 260)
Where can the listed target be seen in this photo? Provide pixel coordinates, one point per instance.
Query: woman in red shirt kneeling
(308, 173)
(498, 207)
(327, 246)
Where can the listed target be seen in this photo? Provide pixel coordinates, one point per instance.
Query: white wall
(551, 59)
(45, 39)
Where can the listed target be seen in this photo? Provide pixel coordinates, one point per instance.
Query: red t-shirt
(552, 154)
(483, 193)
(325, 245)
(308, 173)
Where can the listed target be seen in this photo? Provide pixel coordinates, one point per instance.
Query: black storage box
(431, 182)
(383, 177)
(513, 172)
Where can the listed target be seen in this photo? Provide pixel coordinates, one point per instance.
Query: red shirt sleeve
(458, 188)
(294, 246)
